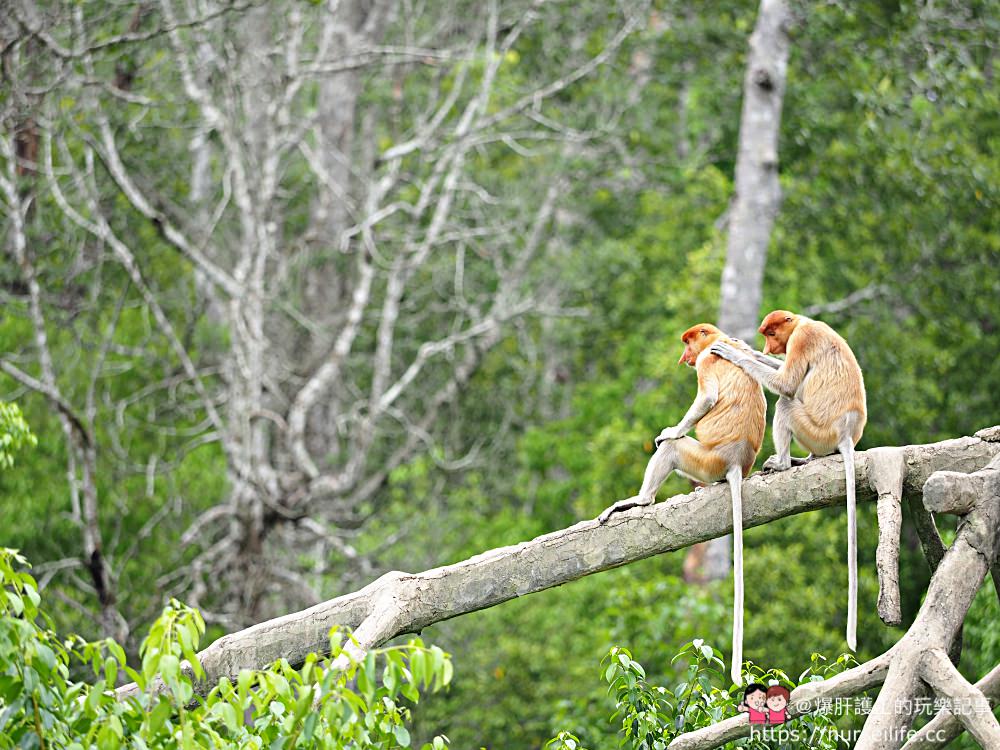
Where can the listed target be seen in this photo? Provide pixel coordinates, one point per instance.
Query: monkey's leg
(846, 448)
(734, 476)
(658, 469)
(781, 432)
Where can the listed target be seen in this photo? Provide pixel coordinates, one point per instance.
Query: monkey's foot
(632, 502)
(774, 464)
(802, 461)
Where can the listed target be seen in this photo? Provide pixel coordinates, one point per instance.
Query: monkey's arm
(784, 380)
(771, 362)
(764, 359)
(708, 394)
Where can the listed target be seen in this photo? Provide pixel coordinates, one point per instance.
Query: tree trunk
(752, 212)
(758, 195)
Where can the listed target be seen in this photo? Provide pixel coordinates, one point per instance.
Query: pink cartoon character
(754, 700)
(777, 704)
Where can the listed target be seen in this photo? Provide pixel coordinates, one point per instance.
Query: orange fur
(823, 376)
(739, 414)
(823, 406)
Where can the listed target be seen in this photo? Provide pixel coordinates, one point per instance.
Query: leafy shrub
(14, 433)
(653, 715)
(44, 704)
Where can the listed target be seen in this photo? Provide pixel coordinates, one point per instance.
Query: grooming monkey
(822, 406)
(729, 416)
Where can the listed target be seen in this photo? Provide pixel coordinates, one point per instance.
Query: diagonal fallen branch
(399, 603)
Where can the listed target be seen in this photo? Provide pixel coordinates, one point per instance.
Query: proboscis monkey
(729, 417)
(822, 406)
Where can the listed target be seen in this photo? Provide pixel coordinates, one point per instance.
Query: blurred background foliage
(888, 231)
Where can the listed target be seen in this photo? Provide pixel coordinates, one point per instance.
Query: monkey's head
(777, 326)
(696, 339)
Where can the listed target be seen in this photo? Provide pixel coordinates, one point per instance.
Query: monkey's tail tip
(852, 642)
(736, 675)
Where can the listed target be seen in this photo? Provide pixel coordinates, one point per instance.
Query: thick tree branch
(945, 727)
(938, 672)
(399, 603)
(919, 658)
(951, 591)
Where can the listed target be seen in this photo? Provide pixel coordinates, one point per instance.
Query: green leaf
(402, 735)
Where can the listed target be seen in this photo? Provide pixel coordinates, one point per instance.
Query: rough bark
(889, 472)
(804, 699)
(756, 200)
(399, 603)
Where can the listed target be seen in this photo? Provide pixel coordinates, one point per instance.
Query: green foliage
(564, 741)
(44, 704)
(650, 716)
(890, 184)
(14, 433)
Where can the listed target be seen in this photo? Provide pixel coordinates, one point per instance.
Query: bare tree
(356, 262)
(77, 426)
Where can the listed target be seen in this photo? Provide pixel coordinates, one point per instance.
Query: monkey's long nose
(684, 357)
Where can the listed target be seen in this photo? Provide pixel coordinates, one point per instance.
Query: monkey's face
(696, 339)
(777, 327)
(773, 343)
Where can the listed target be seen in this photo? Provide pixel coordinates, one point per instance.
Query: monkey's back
(740, 412)
(834, 385)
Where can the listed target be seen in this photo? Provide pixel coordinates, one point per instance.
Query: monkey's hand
(729, 352)
(669, 433)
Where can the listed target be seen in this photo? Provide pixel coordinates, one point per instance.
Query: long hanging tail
(847, 449)
(735, 478)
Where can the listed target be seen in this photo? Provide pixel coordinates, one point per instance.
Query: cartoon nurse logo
(754, 701)
(765, 705)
